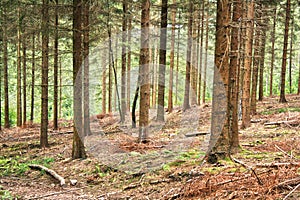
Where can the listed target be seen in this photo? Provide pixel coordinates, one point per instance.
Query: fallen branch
(250, 168)
(290, 155)
(293, 190)
(280, 122)
(290, 182)
(196, 134)
(51, 172)
(276, 165)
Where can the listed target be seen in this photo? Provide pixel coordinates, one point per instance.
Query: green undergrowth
(18, 166)
(5, 194)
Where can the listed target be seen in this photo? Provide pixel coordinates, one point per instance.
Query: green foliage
(5, 194)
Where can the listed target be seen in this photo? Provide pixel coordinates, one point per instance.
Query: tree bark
(186, 100)
(45, 68)
(55, 70)
(291, 56)
(272, 52)
(144, 72)
(247, 66)
(284, 54)
(124, 54)
(256, 59)
(177, 60)
(201, 52)
(221, 148)
(234, 78)
(24, 76)
(5, 73)
(78, 150)
(205, 56)
(262, 63)
(173, 19)
(162, 61)
(32, 79)
(194, 62)
(104, 87)
(86, 81)
(19, 98)
(129, 55)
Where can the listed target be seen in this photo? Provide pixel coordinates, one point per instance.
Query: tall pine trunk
(32, 78)
(284, 54)
(144, 71)
(124, 55)
(256, 59)
(162, 61)
(24, 76)
(19, 98)
(272, 52)
(247, 66)
(170, 96)
(205, 56)
(78, 150)
(234, 68)
(55, 71)
(186, 100)
(5, 73)
(201, 51)
(45, 63)
(291, 56)
(262, 62)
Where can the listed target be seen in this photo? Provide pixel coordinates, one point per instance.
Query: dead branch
(293, 190)
(49, 171)
(290, 155)
(196, 134)
(280, 122)
(290, 182)
(276, 165)
(250, 168)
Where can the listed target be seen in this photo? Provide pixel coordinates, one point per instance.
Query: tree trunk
(194, 62)
(86, 81)
(162, 61)
(19, 100)
(177, 60)
(272, 52)
(205, 58)
(234, 78)
(201, 51)
(5, 73)
(104, 87)
(256, 59)
(291, 56)
(32, 79)
(173, 19)
(262, 63)
(186, 100)
(24, 83)
(124, 54)
(55, 70)
(144, 72)
(45, 51)
(299, 75)
(221, 147)
(247, 66)
(78, 150)
(284, 54)
(129, 55)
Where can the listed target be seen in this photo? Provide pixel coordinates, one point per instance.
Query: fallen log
(196, 134)
(276, 165)
(281, 122)
(49, 171)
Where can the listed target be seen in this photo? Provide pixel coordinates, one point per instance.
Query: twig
(284, 152)
(51, 172)
(56, 193)
(291, 192)
(250, 168)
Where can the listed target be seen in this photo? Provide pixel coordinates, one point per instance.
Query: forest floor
(169, 166)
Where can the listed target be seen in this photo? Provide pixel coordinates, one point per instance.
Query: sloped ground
(170, 166)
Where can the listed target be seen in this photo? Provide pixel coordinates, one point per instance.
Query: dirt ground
(169, 166)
